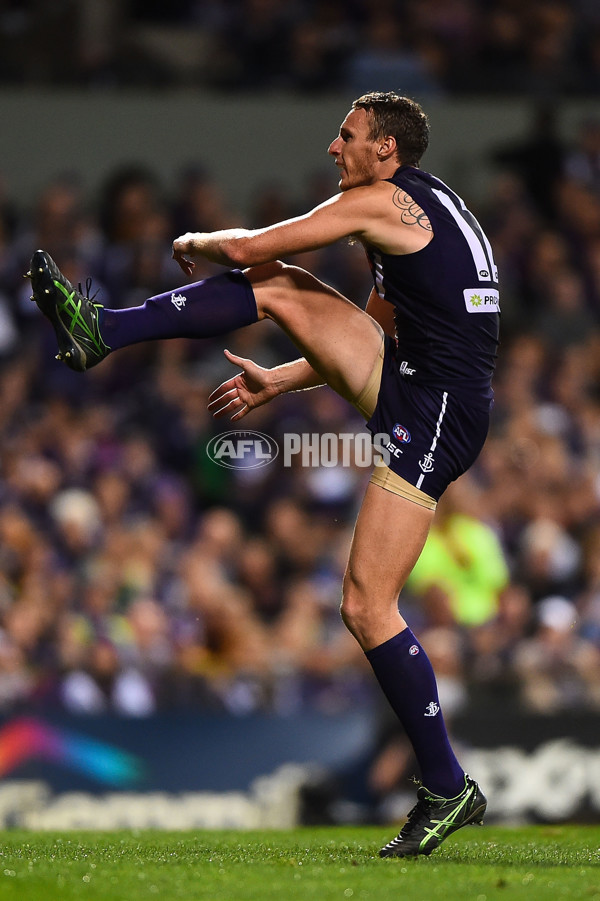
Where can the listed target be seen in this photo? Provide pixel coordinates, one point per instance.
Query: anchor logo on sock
(178, 301)
(432, 709)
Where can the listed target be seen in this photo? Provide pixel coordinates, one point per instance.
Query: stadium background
(170, 627)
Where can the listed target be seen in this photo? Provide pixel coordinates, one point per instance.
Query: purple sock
(204, 309)
(408, 681)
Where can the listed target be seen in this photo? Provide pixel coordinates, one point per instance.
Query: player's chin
(346, 183)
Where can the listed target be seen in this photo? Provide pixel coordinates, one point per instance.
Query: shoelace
(88, 287)
(416, 816)
(72, 309)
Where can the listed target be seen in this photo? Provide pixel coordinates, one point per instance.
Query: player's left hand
(252, 387)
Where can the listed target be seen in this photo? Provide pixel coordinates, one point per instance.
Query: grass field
(490, 864)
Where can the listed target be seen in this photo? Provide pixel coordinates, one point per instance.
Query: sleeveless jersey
(445, 296)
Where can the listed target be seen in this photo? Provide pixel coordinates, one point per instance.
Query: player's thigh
(388, 538)
(339, 340)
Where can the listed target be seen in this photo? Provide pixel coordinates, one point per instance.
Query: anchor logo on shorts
(427, 462)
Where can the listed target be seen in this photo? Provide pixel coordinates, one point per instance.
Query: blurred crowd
(136, 575)
(541, 48)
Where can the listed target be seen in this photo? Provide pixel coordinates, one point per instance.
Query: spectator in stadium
(462, 557)
(418, 366)
(556, 667)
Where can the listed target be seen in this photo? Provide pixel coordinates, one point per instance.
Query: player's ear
(387, 148)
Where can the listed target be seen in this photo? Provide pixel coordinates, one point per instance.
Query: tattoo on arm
(412, 214)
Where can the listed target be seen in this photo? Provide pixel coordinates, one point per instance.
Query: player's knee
(268, 275)
(263, 271)
(354, 608)
(272, 284)
(278, 281)
(368, 611)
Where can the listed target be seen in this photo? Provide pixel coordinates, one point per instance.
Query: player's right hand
(183, 246)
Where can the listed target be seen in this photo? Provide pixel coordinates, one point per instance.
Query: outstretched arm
(255, 386)
(373, 213)
(337, 217)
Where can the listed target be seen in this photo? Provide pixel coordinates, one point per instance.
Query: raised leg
(339, 340)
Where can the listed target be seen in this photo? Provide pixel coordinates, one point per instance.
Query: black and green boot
(73, 316)
(433, 819)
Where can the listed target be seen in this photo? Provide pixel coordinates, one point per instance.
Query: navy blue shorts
(433, 435)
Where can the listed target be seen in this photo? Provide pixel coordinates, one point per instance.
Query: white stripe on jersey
(378, 264)
(478, 244)
(488, 247)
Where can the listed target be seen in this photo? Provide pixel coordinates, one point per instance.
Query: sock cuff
(460, 791)
(238, 277)
(404, 639)
(221, 286)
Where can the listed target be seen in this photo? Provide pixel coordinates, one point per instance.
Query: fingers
(240, 415)
(182, 246)
(225, 401)
(226, 388)
(187, 265)
(237, 361)
(235, 409)
(217, 402)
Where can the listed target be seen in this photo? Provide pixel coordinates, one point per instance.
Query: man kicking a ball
(417, 365)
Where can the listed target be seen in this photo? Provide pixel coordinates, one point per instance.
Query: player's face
(354, 152)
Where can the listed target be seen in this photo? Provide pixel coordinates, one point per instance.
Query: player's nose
(334, 147)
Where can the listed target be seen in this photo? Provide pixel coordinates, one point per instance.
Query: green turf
(533, 863)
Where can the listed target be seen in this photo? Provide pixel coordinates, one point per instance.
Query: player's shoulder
(360, 205)
(371, 194)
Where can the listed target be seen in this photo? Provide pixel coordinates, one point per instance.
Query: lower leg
(205, 309)
(389, 536)
(406, 677)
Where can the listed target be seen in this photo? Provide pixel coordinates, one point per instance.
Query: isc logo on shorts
(482, 300)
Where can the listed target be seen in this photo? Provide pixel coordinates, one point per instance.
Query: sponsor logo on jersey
(427, 462)
(178, 301)
(482, 300)
(405, 368)
(402, 434)
(413, 650)
(392, 448)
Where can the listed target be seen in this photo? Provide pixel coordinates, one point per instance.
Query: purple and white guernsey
(445, 296)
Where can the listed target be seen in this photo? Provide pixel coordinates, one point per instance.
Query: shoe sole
(475, 819)
(45, 295)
